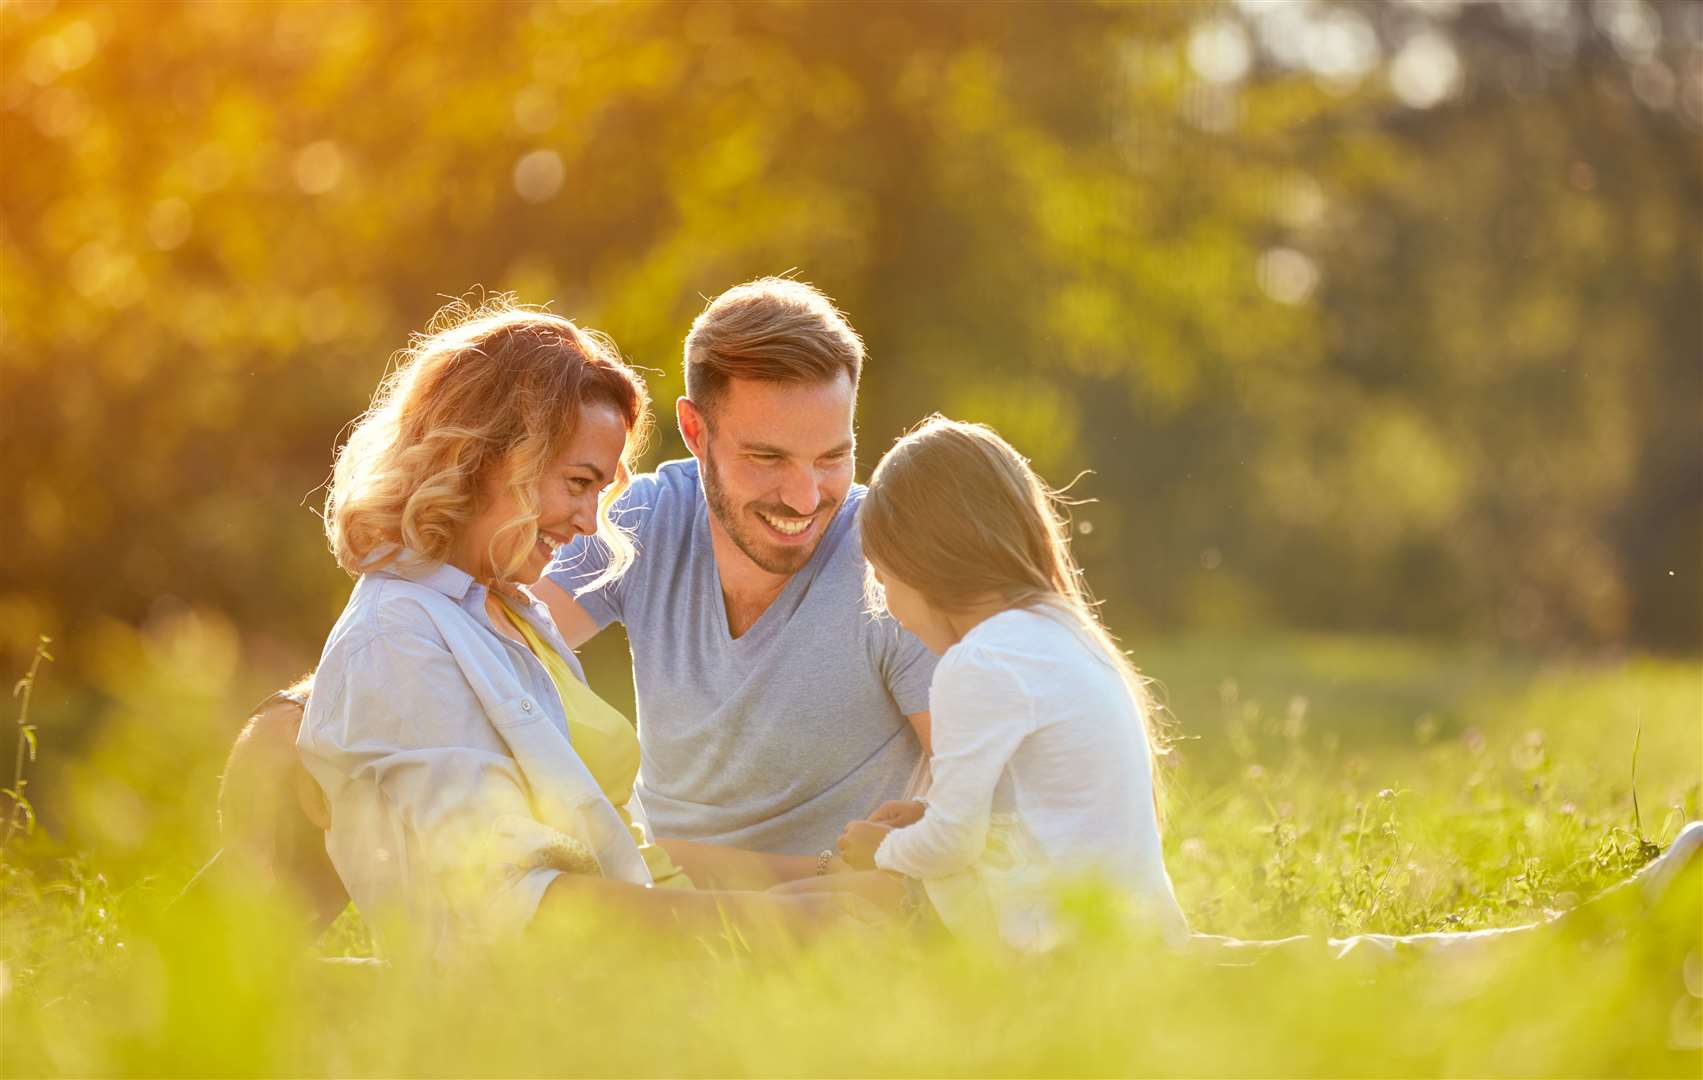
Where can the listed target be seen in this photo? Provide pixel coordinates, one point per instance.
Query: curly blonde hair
(496, 384)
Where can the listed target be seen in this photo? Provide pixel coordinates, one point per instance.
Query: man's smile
(788, 527)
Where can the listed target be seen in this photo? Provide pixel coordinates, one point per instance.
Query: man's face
(777, 460)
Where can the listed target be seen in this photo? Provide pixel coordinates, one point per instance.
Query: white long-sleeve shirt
(1042, 771)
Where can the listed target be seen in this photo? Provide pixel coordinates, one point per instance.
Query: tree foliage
(1343, 346)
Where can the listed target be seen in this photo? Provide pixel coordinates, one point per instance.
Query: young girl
(1043, 749)
(1043, 753)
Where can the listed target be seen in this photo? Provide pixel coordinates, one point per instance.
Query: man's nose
(801, 491)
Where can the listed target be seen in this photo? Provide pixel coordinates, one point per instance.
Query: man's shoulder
(845, 546)
(678, 477)
(671, 489)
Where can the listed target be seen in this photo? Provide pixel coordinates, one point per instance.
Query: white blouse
(442, 748)
(1042, 772)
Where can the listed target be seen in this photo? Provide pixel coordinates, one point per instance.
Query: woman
(475, 786)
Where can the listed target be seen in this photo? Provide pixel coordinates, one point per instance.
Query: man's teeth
(788, 526)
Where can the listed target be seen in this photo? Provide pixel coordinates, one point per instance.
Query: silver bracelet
(825, 857)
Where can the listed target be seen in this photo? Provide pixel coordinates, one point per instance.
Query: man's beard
(772, 559)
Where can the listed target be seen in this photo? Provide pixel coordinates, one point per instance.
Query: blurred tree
(1364, 316)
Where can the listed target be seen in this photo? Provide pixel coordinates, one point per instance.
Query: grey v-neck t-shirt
(774, 740)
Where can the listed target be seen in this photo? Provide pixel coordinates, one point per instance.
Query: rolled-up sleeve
(981, 714)
(430, 817)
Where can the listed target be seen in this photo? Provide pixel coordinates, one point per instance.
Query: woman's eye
(578, 485)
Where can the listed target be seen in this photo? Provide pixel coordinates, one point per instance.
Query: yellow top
(606, 742)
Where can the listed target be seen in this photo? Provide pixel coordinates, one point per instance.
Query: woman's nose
(584, 520)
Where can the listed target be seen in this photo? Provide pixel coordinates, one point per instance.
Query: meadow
(1320, 785)
(1366, 318)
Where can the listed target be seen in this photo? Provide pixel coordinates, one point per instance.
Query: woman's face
(568, 491)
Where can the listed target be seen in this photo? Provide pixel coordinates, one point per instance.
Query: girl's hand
(858, 842)
(898, 813)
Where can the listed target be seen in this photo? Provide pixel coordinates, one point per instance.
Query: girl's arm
(982, 713)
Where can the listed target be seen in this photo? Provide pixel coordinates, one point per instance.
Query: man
(772, 706)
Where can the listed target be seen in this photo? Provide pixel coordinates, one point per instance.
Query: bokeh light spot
(169, 223)
(538, 176)
(1426, 71)
(1219, 51)
(319, 167)
(1341, 48)
(1287, 276)
(1631, 25)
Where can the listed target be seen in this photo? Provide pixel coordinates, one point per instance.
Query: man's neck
(747, 588)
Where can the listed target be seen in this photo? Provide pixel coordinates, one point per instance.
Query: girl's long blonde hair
(499, 384)
(956, 513)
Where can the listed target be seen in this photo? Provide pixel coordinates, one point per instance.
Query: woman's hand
(898, 813)
(858, 842)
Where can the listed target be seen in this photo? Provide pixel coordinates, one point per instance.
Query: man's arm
(716, 866)
(919, 721)
(573, 622)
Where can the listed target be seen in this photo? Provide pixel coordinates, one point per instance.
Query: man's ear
(694, 429)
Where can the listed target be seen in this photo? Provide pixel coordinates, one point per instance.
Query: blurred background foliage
(1365, 317)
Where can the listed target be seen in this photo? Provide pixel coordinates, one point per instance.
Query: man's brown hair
(773, 329)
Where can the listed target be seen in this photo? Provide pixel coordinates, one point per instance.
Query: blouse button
(526, 706)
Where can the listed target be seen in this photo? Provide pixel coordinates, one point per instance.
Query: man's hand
(858, 842)
(898, 813)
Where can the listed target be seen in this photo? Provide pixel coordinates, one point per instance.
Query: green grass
(1320, 785)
